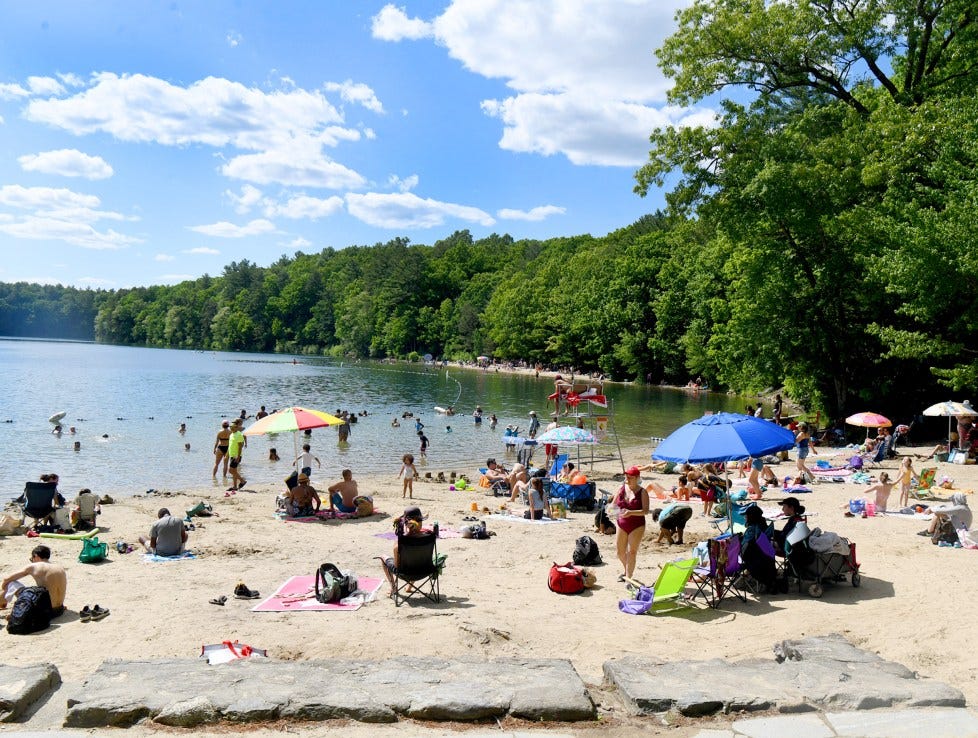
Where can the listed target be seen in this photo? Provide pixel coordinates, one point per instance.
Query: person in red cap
(632, 502)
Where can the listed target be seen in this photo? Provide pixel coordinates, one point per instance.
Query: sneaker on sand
(243, 593)
(99, 612)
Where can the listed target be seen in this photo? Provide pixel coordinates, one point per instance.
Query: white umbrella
(951, 410)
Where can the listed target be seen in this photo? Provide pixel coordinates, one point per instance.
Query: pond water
(127, 404)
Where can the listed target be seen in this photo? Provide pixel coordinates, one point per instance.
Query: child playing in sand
(882, 491)
(906, 475)
(407, 474)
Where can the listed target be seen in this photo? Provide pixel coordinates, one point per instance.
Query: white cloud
(299, 243)
(59, 214)
(284, 131)
(67, 163)
(96, 282)
(303, 206)
(356, 92)
(201, 250)
(45, 86)
(12, 91)
(71, 80)
(230, 230)
(392, 24)
(233, 38)
(541, 212)
(163, 257)
(583, 72)
(243, 203)
(404, 185)
(406, 210)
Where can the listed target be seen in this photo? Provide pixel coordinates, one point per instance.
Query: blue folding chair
(557, 466)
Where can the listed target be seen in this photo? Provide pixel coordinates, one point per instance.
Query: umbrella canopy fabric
(567, 435)
(950, 408)
(292, 419)
(724, 437)
(869, 420)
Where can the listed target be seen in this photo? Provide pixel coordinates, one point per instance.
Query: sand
(914, 605)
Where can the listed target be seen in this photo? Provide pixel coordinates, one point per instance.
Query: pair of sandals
(470, 519)
(92, 613)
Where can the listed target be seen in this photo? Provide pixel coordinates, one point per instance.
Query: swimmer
(186, 447)
(77, 445)
(273, 455)
(181, 430)
(395, 423)
(448, 429)
(72, 430)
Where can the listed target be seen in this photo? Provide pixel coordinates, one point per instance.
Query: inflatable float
(57, 417)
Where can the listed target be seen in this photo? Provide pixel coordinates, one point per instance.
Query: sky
(149, 143)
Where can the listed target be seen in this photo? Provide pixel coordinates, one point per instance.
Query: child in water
(407, 474)
(273, 455)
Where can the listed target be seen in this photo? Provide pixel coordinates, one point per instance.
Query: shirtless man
(343, 493)
(298, 502)
(221, 448)
(50, 576)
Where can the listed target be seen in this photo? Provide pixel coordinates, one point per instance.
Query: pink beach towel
(298, 594)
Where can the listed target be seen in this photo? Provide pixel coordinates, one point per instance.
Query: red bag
(566, 579)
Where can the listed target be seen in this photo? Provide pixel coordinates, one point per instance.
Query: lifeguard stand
(590, 408)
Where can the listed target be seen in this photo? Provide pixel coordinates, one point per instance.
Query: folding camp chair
(720, 578)
(668, 590)
(879, 453)
(922, 486)
(418, 567)
(557, 466)
(496, 487)
(736, 522)
(39, 501)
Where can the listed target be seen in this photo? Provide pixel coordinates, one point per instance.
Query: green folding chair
(922, 489)
(669, 586)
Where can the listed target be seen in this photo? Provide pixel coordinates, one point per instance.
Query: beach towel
(521, 519)
(442, 533)
(155, 559)
(323, 515)
(298, 594)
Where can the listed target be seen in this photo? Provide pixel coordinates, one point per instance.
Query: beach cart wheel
(815, 590)
(856, 579)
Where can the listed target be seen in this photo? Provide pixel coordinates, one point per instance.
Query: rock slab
(187, 693)
(824, 673)
(22, 686)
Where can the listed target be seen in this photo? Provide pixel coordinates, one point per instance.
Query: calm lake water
(139, 397)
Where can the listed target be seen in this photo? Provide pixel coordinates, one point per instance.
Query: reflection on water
(127, 405)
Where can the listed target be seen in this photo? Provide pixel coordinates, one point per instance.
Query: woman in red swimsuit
(632, 502)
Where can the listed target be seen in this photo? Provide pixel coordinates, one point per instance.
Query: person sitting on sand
(342, 495)
(538, 500)
(167, 536)
(881, 492)
(299, 499)
(50, 576)
(672, 521)
(84, 510)
(957, 513)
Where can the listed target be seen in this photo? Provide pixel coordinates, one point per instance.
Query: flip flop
(219, 600)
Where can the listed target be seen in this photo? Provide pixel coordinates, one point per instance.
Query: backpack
(332, 585)
(602, 523)
(566, 579)
(93, 551)
(586, 552)
(944, 533)
(31, 612)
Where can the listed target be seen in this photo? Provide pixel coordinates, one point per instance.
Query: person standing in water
(221, 448)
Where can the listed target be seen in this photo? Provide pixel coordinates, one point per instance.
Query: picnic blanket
(298, 594)
(156, 559)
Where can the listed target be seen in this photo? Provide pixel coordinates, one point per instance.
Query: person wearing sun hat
(298, 501)
(632, 502)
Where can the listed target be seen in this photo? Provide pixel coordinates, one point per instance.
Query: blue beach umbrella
(724, 437)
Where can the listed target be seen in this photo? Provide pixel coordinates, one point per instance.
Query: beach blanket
(324, 515)
(298, 594)
(154, 559)
(839, 471)
(521, 519)
(442, 533)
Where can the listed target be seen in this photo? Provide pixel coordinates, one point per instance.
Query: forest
(820, 238)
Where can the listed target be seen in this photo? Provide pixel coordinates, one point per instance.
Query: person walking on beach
(424, 444)
(407, 474)
(804, 443)
(632, 502)
(221, 448)
(236, 444)
(305, 459)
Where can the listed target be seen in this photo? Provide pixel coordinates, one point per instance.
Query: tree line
(820, 237)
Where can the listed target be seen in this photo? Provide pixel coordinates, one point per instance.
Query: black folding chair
(418, 567)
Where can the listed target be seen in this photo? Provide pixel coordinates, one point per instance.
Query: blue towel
(155, 559)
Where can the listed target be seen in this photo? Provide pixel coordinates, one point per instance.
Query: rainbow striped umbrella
(292, 420)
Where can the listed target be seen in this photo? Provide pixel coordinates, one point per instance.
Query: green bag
(93, 551)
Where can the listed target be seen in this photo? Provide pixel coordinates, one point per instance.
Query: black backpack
(332, 585)
(586, 552)
(31, 612)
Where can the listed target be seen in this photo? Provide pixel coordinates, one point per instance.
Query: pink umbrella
(869, 420)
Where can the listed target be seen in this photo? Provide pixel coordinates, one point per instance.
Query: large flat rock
(190, 692)
(826, 673)
(22, 686)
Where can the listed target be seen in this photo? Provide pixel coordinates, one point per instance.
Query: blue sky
(153, 142)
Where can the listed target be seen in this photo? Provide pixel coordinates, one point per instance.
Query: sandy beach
(912, 606)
